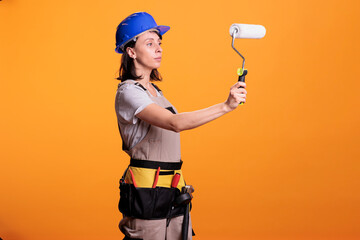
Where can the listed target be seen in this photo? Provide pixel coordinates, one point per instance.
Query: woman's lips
(158, 59)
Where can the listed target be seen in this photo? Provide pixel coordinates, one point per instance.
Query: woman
(149, 126)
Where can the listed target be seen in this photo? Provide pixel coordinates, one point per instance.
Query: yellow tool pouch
(144, 177)
(148, 190)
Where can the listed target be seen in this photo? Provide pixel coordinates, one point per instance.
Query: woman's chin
(157, 66)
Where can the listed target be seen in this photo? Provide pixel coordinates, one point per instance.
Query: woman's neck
(140, 70)
(145, 81)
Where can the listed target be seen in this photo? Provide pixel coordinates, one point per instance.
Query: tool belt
(152, 190)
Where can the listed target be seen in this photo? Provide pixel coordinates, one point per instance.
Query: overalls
(163, 146)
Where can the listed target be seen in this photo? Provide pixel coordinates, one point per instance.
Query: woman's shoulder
(132, 92)
(130, 85)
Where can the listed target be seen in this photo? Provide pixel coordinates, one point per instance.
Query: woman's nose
(159, 49)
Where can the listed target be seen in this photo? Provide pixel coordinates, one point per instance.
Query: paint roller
(250, 31)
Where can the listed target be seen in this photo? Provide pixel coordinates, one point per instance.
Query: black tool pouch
(149, 203)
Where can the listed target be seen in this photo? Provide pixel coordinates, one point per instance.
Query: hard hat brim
(162, 29)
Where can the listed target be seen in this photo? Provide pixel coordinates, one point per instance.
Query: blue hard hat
(133, 26)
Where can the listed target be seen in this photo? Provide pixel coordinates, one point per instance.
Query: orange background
(283, 166)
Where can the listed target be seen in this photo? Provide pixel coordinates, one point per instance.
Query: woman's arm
(160, 117)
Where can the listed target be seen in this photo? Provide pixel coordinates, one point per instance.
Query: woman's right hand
(236, 96)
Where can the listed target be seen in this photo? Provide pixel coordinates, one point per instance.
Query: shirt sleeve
(130, 100)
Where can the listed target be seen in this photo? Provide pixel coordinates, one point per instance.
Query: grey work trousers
(135, 228)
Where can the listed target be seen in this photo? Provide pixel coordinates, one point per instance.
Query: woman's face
(147, 51)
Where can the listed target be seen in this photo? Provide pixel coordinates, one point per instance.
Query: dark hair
(127, 68)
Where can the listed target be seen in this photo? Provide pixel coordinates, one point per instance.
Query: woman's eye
(149, 44)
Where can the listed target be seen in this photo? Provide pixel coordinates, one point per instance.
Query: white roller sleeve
(248, 30)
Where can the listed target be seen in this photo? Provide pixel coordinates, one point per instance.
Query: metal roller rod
(232, 45)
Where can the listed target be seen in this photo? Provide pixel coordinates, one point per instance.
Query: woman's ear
(130, 51)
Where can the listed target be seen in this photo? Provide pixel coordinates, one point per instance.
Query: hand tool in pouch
(245, 31)
(185, 199)
(156, 177)
(175, 180)
(132, 177)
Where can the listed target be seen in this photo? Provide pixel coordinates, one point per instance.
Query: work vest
(153, 180)
(159, 144)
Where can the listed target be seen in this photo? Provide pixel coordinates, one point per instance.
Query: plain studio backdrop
(283, 166)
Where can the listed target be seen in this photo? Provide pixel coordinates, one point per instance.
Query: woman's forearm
(160, 117)
(188, 120)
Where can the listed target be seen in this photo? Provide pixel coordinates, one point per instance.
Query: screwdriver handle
(175, 180)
